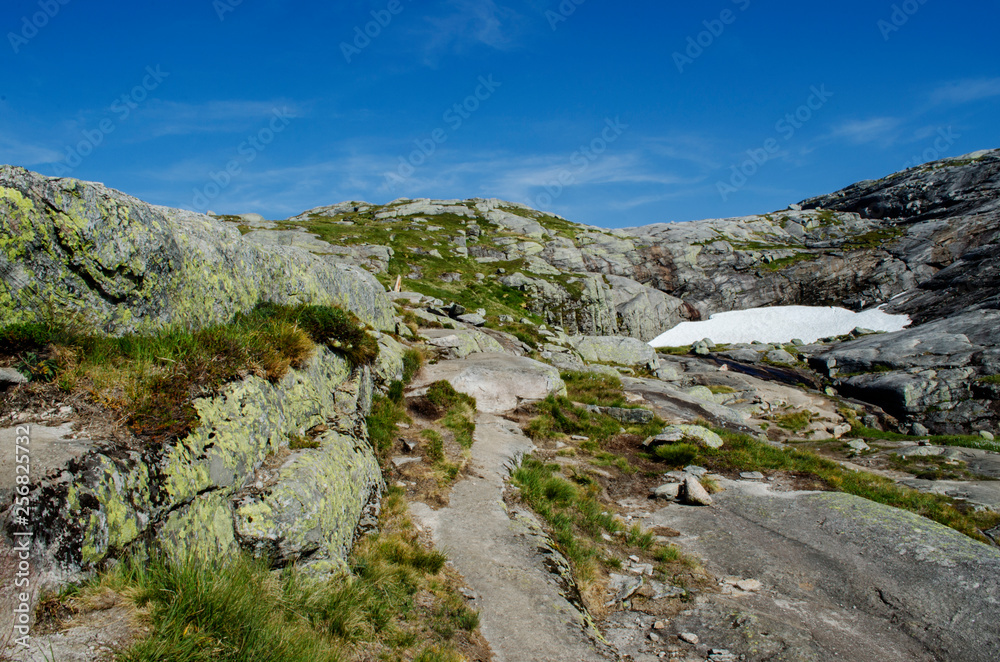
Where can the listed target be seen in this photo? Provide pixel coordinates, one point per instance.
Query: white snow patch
(779, 324)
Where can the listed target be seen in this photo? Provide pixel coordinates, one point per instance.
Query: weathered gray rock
(626, 416)
(614, 349)
(96, 500)
(129, 266)
(694, 433)
(499, 382)
(668, 491)
(694, 493)
(11, 376)
(472, 319)
(460, 343)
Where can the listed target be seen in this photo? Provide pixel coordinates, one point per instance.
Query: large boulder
(127, 266)
(96, 499)
(498, 382)
(614, 349)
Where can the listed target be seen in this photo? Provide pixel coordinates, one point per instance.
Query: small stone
(694, 493)
(11, 376)
(689, 637)
(401, 461)
(402, 426)
(653, 637)
(659, 625)
(667, 491)
(752, 475)
(918, 430)
(986, 434)
(695, 470)
(749, 585)
(579, 437)
(858, 445)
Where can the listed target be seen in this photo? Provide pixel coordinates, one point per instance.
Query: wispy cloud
(466, 23)
(965, 91)
(882, 130)
(171, 118)
(16, 152)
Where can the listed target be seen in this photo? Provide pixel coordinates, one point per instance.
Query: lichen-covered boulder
(127, 266)
(216, 491)
(460, 343)
(614, 349)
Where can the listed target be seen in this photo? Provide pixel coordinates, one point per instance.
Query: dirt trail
(504, 557)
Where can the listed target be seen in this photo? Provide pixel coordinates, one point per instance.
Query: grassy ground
(149, 381)
(586, 530)
(398, 603)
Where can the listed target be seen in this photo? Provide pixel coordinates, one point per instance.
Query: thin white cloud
(876, 129)
(16, 152)
(965, 91)
(171, 118)
(470, 22)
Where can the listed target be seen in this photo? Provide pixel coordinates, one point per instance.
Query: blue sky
(615, 114)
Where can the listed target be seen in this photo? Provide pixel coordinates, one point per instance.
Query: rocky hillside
(925, 239)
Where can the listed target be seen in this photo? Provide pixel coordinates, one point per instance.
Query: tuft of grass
(718, 389)
(239, 610)
(150, 380)
(435, 445)
(381, 422)
(785, 262)
(558, 416)
(796, 422)
(297, 442)
(569, 509)
(594, 389)
(413, 360)
(676, 455)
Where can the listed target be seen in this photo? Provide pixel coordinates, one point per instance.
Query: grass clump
(558, 416)
(594, 389)
(457, 411)
(570, 510)
(989, 379)
(795, 422)
(676, 455)
(239, 610)
(785, 262)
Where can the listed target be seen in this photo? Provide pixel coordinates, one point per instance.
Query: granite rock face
(129, 266)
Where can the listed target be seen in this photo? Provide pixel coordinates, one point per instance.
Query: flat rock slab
(498, 382)
(977, 492)
(50, 449)
(523, 614)
(847, 578)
